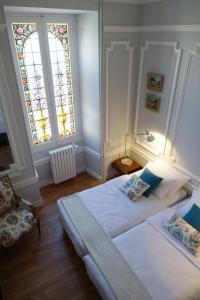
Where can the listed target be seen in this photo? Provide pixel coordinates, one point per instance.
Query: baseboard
(45, 182)
(26, 182)
(93, 174)
(38, 203)
(80, 170)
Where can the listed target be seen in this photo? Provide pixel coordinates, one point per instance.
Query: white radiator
(63, 164)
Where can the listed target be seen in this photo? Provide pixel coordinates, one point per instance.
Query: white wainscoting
(119, 64)
(157, 123)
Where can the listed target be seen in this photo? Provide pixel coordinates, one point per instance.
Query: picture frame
(155, 81)
(152, 102)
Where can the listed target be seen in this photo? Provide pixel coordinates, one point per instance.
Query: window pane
(31, 71)
(59, 45)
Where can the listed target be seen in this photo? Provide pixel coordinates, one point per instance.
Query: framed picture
(155, 81)
(152, 102)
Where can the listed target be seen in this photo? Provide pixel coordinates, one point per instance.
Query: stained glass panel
(31, 71)
(60, 55)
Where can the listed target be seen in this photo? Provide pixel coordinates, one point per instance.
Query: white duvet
(166, 268)
(116, 212)
(113, 210)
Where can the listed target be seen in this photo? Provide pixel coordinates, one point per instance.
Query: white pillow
(195, 199)
(172, 181)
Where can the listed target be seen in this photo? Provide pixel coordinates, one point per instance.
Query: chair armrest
(26, 202)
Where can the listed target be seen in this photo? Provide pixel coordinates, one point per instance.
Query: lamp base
(126, 161)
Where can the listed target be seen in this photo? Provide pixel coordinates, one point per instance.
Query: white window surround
(11, 17)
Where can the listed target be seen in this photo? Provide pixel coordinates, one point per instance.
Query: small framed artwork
(152, 102)
(155, 81)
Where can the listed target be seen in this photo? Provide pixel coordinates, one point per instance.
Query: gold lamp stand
(126, 160)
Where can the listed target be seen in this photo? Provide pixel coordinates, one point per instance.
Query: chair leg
(5, 250)
(38, 227)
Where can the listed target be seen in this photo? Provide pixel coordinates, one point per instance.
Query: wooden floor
(48, 269)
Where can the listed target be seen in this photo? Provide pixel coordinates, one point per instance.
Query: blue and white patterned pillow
(134, 188)
(185, 233)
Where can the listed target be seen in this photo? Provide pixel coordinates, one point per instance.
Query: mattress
(113, 210)
(167, 271)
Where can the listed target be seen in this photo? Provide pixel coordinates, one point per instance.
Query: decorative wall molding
(2, 27)
(143, 153)
(192, 53)
(154, 28)
(45, 160)
(26, 182)
(134, 1)
(178, 53)
(195, 180)
(92, 152)
(109, 50)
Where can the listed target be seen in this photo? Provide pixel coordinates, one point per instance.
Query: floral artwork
(31, 71)
(60, 55)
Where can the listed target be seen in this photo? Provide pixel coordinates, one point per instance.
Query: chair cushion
(7, 197)
(14, 224)
(185, 233)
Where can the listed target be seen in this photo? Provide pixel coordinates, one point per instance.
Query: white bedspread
(116, 212)
(166, 272)
(113, 210)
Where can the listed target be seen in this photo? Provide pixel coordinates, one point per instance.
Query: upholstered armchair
(17, 216)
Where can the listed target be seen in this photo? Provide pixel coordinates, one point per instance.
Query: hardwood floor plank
(48, 268)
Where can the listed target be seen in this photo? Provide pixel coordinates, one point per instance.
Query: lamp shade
(149, 137)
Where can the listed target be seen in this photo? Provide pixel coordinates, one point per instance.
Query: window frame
(41, 22)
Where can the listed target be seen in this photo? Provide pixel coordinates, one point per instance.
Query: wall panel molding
(109, 51)
(2, 27)
(134, 1)
(154, 28)
(45, 160)
(178, 53)
(192, 53)
(26, 182)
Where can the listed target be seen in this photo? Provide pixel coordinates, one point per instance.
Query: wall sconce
(148, 137)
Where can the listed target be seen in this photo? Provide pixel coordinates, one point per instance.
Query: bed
(113, 210)
(166, 268)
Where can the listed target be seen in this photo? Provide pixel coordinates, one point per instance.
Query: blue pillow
(151, 179)
(193, 217)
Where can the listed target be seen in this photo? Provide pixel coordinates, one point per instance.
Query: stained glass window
(31, 71)
(60, 55)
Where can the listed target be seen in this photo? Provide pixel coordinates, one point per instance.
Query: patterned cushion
(7, 198)
(134, 187)
(185, 233)
(14, 224)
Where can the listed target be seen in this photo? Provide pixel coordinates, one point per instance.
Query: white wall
(88, 54)
(168, 12)
(176, 125)
(182, 131)
(120, 71)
